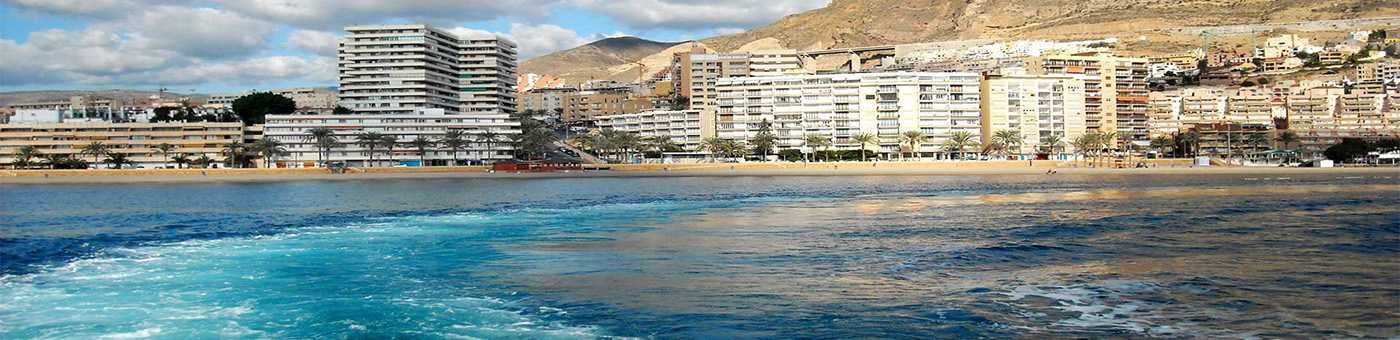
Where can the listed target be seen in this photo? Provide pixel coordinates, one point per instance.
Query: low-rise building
(136, 141)
(687, 128)
(585, 106)
(550, 100)
(431, 124)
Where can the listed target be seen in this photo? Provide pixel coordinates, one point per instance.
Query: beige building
(1116, 94)
(770, 63)
(696, 73)
(686, 128)
(137, 141)
(841, 106)
(548, 100)
(585, 106)
(1037, 108)
(309, 99)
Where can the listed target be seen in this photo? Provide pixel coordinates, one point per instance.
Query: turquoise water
(744, 257)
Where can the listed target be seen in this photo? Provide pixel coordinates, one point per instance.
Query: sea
(828, 257)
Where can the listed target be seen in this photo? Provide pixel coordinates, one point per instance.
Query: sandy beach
(975, 168)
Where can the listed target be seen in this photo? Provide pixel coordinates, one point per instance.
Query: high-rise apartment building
(840, 106)
(1039, 109)
(696, 73)
(1116, 94)
(396, 69)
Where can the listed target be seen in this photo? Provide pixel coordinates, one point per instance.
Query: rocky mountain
(595, 60)
(1148, 26)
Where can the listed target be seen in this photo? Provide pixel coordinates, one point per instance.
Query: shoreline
(644, 171)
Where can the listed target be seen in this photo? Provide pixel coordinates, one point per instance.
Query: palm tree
(97, 150)
(454, 140)
(369, 140)
(1052, 143)
(714, 145)
(25, 155)
(1286, 138)
(1192, 139)
(54, 160)
(816, 141)
(914, 139)
(269, 149)
(165, 149)
(180, 160)
(488, 138)
(389, 142)
(1086, 144)
(203, 161)
(959, 141)
(324, 139)
(234, 154)
(422, 144)
(1163, 144)
(864, 139)
(1257, 140)
(117, 160)
(1008, 140)
(661, 144)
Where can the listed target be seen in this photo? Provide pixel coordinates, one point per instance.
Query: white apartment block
(397, 69)
(687, 128)
(1037, 108)
(842, 105)
(430, 124)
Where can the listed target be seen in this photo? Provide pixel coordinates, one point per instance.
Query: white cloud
(322, 43)
(199, 32)
(334, 14)
(685, 14)
(94, 8)
(249, 71)
(535, 40)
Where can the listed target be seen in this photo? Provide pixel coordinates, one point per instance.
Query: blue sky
(235, 45)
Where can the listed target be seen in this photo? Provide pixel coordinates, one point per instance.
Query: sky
(216, 46)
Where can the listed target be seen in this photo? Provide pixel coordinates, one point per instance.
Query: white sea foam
(139, 334)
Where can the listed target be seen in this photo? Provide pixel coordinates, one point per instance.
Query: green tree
(714, 145)
(117, 160)
(325, 140)
(369, 140)
(914, 139)
(96, 150)
(422, 144)
(24, 157)
(454, 141)
(165, 149)
(958, 142)
(54, 160)
(817, 143)
(1163, 144)
(233, 154)
(341, 110)
(269, 149)
(180, 160)
(863, 140)
(1052, 143)
(764, 141)
(1349, 149)
(679, 103)
(253, 109)
(1286, 138)
(203, 161)
(488, 140)
(389, 142)
(1008, 140)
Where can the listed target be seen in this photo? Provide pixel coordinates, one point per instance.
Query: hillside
(847, 23)
(7, 98)
(592, 61)
(1163, 25)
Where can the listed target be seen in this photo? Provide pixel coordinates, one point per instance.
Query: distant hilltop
(14, 97)
(1158, 27)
